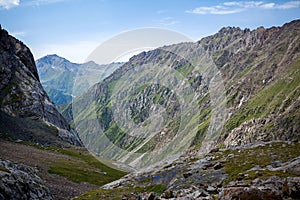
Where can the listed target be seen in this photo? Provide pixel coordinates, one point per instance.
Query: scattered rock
(258, 173)
(273, 188)
(151, 196)
(218, 166)
(211, 189)
(230, 155)
(186, 175)
(240, 176)
(21, 182)
(214, 150)
(168, 194)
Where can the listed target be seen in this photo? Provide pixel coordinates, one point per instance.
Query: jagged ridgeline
(235, 87)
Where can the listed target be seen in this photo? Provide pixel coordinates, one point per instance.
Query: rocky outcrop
(222, 174)
(272, 188)
(19, 181)
(25, 109)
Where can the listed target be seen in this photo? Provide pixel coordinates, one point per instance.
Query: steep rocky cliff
(245, 84)
(25, 109)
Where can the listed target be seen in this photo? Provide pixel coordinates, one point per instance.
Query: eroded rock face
(19, 181)
(23, 97)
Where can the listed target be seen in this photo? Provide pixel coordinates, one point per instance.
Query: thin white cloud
(18, 33)
(7, 4)
(168, 21)
(244, 4)
(239, 6)
(41, 2)
(161, 11)
(216, 10)
(268, 6)
(288, 5)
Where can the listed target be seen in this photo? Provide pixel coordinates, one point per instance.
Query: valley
(213, 119)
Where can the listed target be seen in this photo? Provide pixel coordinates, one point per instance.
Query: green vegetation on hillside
(270, 99)
(81, 166)
(118, 193)
(242, 161)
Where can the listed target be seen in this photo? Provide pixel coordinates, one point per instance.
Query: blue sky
(73, 28)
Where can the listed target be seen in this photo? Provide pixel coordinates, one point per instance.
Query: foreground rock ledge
(19, 181)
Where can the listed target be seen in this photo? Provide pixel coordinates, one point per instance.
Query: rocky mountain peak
(23, 102)
(50, 59)
(21, 51)
(229, 30)
(55, 62)
(234, 39)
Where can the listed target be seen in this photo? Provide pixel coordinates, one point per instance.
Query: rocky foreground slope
(21, 182)
(25, 109)
(262, 171)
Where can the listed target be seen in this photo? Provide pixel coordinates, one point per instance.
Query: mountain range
(63, 80)
(239, 133)
(229, 89)
(212, 119)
